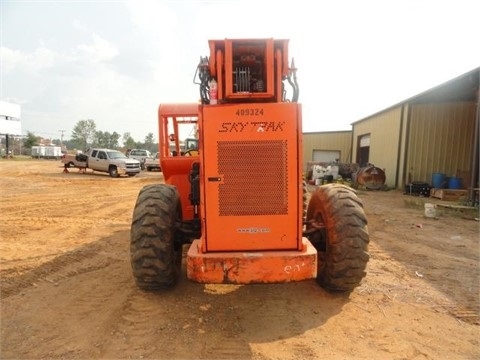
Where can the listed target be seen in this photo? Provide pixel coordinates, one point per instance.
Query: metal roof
(462, 88)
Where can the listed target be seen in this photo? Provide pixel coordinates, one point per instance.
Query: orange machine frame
(274, 55)
(175, 169)
(251, 190)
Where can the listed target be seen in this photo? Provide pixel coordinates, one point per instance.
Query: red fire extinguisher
(213, 92)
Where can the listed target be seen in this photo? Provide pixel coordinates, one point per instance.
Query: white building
(10, 125)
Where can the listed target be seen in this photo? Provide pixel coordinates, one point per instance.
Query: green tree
(30, 140)
(83, 133)
(128, 141)
(113, 140)
(100, 139)
(69, 144)
(149, 144)
(106, 140)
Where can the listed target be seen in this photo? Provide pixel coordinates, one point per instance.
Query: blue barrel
(439, 180)
(454, 183)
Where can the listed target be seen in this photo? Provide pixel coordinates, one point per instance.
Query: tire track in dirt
(182, 322)
(61, 267)
(416, 280)
(81, 209)
(47, 220)
(90, 286)
(73, 295)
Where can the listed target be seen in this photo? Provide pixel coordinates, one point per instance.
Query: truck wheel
(112, 170)
(343, 245)
(155, 259)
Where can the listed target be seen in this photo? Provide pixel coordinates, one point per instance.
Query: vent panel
(255, 177)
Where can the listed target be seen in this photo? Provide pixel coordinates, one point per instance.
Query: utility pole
(61, 138)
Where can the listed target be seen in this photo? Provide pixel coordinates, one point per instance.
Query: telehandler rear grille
(255, 177)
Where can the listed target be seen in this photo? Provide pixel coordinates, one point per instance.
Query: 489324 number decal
(249, 112)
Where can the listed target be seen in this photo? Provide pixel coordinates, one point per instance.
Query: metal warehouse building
(436, 131)
(327, 147)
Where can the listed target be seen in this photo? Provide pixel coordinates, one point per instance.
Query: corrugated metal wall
(440, 139)
(331, 141)
(402, 173)
(384, 130)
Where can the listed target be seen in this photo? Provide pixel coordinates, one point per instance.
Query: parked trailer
(38, 151)
(53, 152)
(46, 152)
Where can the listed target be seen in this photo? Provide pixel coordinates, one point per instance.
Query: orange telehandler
(237, 196)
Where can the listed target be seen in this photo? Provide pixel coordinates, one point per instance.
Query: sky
(116, 61)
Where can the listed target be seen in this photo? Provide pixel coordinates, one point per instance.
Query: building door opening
(363, 150)
(326, 156)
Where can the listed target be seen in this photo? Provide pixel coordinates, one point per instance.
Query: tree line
(85, 135)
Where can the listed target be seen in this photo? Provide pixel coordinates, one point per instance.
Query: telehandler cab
(239, 198)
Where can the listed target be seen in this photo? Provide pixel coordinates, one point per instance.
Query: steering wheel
(191, 152)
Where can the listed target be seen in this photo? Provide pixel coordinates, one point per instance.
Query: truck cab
(141, 155)
(153, 163)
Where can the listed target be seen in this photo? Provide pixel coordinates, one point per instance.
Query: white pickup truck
(110, 161)
(153, 163)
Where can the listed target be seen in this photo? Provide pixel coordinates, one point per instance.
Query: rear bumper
(251, 267)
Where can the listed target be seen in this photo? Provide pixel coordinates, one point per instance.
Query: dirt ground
(67, 290)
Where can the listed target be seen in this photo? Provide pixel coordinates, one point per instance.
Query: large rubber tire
(112, 170)
(305, 200)
(343, 248)
(154, 258)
